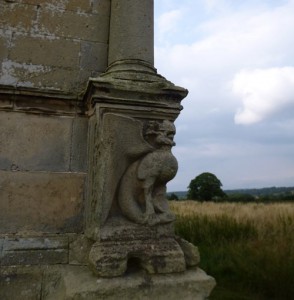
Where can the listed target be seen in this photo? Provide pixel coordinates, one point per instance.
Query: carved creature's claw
(158, 208)
(153, 220)
(167, 217)
(163, 218)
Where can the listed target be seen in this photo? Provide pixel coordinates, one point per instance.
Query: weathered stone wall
(53, 44)
(42, 172)
(48, 51)
(30, 142)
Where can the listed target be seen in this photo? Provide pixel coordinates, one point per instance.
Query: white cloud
(264, 92)
(251, 39)
(247, 47)
(219, 5)
(240, 39)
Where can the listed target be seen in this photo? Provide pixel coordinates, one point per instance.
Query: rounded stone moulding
(129, 65)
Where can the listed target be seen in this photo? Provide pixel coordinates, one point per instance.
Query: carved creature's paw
(167, 217)
(143, 219)
(163, 218)
(153, 219)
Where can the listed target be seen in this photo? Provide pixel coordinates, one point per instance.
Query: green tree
(205, 187)
(172, 196)
(241, 197)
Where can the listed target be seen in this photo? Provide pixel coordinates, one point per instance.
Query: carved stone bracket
(115, 258)
(132, 110)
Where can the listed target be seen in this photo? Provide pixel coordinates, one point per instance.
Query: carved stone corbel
(132, 112)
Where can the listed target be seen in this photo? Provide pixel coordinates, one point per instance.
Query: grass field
(248, 248)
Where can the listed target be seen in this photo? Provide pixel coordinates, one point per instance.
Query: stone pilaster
(131, 130)
(131, 31)
(132, 89)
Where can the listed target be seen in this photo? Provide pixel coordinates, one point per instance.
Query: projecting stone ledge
(77, 282)
(136, 83)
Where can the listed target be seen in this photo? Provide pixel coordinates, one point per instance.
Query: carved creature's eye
(171, 136)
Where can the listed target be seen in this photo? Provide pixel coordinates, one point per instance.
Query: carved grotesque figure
(142, 190)
(136, 165)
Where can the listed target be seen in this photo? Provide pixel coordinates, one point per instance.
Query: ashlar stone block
(78, 160)
(101, 7)
(58, 5)
(41, 202)
(72, 25)
(17, 16)
(77, 5)
(34, 250)
(93, 56)
(59, 53)
(20, 284)
(5, 103)
(3, 47)
(59, 79)
(33, 142)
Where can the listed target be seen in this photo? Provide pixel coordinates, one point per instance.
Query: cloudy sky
(236, 58)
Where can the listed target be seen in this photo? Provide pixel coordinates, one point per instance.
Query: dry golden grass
(248, 248)
(269, 218)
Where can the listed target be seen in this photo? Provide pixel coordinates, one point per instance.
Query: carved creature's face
(165, 134)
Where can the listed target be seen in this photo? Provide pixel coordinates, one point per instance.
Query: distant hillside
(268, 191)
(180, 194)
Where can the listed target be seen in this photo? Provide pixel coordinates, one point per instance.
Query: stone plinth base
(109, 259)
(78, 282)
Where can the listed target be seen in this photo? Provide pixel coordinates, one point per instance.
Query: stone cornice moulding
(134, 82)
(42, 101)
